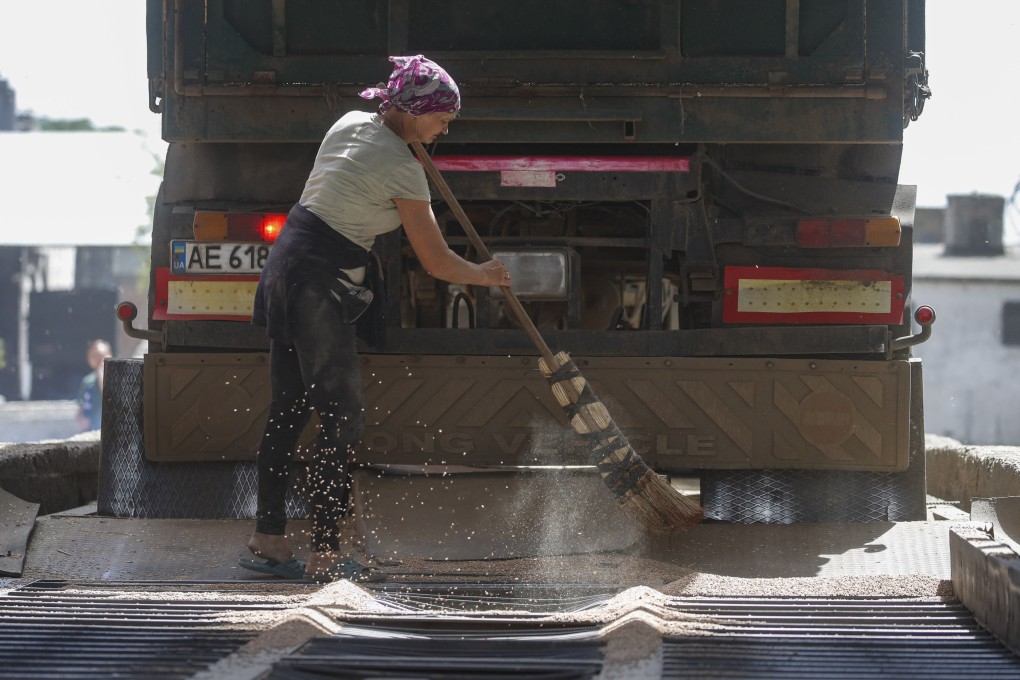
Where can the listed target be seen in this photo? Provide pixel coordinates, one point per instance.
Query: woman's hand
(437, 258)
(496, 273)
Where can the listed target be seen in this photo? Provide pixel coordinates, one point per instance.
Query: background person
(90, 391)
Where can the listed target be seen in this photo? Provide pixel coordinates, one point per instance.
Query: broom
(641, 493)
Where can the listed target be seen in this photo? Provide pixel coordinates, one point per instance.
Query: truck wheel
(132, 486)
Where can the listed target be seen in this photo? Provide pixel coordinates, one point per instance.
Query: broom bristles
(653, 502)
(643, 495)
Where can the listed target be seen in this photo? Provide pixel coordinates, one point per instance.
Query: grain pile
(343, 595)
(909, 585)
(290, 630)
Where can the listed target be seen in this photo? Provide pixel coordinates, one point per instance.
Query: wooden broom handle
(522, 316)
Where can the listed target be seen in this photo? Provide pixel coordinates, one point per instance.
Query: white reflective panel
(795, 296)
(212, 298)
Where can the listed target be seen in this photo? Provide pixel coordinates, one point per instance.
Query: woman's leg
(288, 415)
(326, 349)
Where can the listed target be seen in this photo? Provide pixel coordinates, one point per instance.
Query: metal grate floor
(860, 637)
(56, 629)
(828, 638)
(161, 629)
(549, 658)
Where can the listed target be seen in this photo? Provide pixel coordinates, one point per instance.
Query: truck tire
(132, 486)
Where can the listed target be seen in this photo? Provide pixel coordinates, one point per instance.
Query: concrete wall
(34, 421)
(960, 472)
(971, 392)
(65, 474)
(57, 475)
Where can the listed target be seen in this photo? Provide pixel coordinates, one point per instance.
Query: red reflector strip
(190, 298)
(777, 295)
(562, 163)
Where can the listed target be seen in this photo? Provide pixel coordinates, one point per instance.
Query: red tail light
(126, 311)
(214, 225)
(271, 227)
(924, 315)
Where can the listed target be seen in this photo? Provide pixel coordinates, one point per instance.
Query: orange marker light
(883, 231)
(210, 225)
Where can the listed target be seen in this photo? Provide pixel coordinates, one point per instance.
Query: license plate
(217, 257)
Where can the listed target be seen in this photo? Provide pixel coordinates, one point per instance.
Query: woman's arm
(429, 245)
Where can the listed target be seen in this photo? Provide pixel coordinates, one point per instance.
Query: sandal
(289, 569)
(349, 570)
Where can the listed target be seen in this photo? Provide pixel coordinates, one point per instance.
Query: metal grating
(551, 657)
(53, 629)
(457, 631)
(132, 486)
(524, 599)
(751, 637)
(790, 496)
(837, 638)
(57, 629)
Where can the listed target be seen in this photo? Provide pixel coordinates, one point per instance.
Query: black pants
(319, 371)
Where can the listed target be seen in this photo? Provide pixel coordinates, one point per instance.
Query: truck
(699, 201)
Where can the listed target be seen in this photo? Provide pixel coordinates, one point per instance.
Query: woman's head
(417, 86)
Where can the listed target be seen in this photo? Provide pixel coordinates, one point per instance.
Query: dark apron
(309, 249)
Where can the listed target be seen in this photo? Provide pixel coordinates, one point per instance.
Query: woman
(313, 293)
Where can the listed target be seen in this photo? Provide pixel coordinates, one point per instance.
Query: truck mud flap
(789, 496)
(132, 486)
(679, 413)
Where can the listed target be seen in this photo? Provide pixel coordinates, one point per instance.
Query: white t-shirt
(360, 168)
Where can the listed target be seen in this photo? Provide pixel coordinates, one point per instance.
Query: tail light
(925, 315)
(849, 232)
(212, 225)
(271, 227)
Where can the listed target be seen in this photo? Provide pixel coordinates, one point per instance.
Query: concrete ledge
(58, 475)
(960, 472)
(986, 578)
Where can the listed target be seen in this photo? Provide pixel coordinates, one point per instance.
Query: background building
(970, 362)
(7, 111)
(77, 211)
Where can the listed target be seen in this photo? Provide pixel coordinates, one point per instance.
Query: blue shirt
(90, 399)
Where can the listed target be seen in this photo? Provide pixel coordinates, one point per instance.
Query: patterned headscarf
(417, 86)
